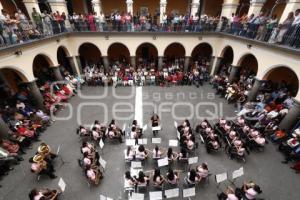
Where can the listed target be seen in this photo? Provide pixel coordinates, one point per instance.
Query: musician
(172, 177)
(129, 154)
(41, 166)
(45, 150)
(138, 130)
(157, 153)
(171, 155)
(142, 179)
(202, 171)
(229, 194)
(142, 153)
(158, 179)
(82, 131)
(183, 155)
(129, 179)
(90, 150)
(155, 122)
(192, 177)
(251, 190)
(115, 133)
(94, 174)
(43, 194)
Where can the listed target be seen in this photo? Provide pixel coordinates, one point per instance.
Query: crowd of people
(172, 73)
(18, 28)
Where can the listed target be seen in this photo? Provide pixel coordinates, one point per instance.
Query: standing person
(62, 23)
(284, 27)
(7, 27)
(91, 22)
(295, 30)
(102, 21)
(47, 23)
(37, 19)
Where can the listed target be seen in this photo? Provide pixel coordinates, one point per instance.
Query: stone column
(229, 7)
(36, 95)
(291, 6)
(74, 65)
(78, 61)
(60, 6)
(233, 74)
(133, 61)
(105, 62)
(160, 62)
(30, 4)
(162, 9)
(254, 90)
(255, 7)
(97, 6)
(216, 65)
(187, 63)
(4, 129)
(129, 6)
(57, 73)
(292, 117)
(195, 7)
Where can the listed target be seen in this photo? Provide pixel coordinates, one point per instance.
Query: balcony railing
(26, 31)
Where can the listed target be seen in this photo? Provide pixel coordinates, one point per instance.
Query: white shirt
(296, 20)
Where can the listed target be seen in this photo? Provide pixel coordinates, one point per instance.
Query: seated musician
(41, 166)
(130, 181)
(97, 135)
(114, 133)
(23, 131)
(138, 130)
(90, 150)
(241, 121)
(99, 127)
(45, 150)
(157, 153)
(93, 174)
(202, 171)
(250, 190)
(142, 179)
(255, 136)
(184, 127)
(82, 131)
(183, 155)
(212, 142)
(129, 154)
(171, 155)
(238, 149)
(192, 177)
(158, 179)
(142, 153)
(172, 177)
(155, 122)
(229, 194)
(43, 194)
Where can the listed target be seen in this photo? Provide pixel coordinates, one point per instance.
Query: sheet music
(101, 143)
(221, 177)
(155, 195)
(156, 140)
(102, 197)
(172, 193)
(156, 128)
(102, 162)
(62, 184)
(143, 141)
(193, 160)
(175, 125)
(173, 143)
(238, 173)
(163, 162)
(137, 196)
(58, 149)
(130, 142)
(190, 192)
(145, 128)
(135, 164)
(178, 135)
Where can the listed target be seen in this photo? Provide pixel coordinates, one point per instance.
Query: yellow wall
(78, 6)
(213, 8)
(109, 5)
(179, 5)
(278, 9)
(152, 5)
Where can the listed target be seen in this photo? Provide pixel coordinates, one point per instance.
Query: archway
(277, 9)
(118, 52)
(12, 6)
(227, 56)
(202, 51)
(41, 69)
(283, 75)
(248, 65)
(174, 51)
(89, 55)
(64, 63)
(146, 53)
(10, 84)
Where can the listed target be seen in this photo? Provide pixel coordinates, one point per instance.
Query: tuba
(44, 149)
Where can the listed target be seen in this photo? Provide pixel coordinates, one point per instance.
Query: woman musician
(155, 123)
(41, 166)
